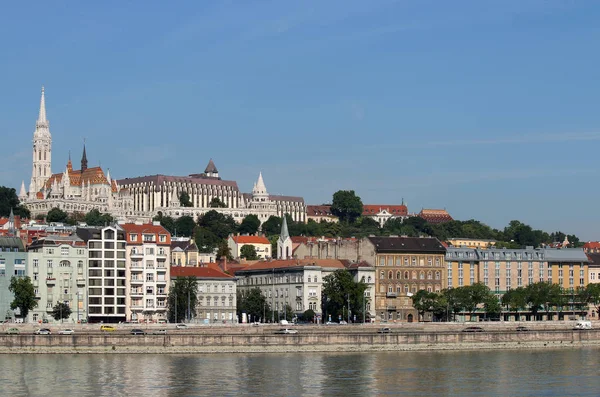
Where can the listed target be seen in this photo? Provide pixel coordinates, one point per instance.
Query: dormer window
(133, 237)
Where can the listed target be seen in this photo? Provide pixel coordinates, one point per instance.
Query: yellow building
(403, 266)
(471, 243)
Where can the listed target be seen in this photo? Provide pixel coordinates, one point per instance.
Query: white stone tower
(42, 151)
(284, 242)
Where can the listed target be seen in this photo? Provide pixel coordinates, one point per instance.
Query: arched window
(422, 276)
(437, 275)
(414, 275)
(398, 275)
(429, 276)
(390, 275)
(406, 275)
(381, 275)
(369, 279)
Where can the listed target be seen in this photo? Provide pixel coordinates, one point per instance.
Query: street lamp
(77, 295)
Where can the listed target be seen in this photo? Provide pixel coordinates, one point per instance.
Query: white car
(43, 331)
(181, 326)
(66, 332)
(160, 332)
(286, 331)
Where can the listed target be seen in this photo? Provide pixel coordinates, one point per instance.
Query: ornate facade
(71, 190)
(161, 193)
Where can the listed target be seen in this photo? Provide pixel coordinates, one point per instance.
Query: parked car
(43, 331)
(66, 332)
(13, 331)
(330, 323)
(582, 325)
(286, 331)
(108, 328)
(162, 321)
(137, 331)
(384, 330)
(521, 328)
(473, 329)
(181, 326)
(343, 322)
(160, 332)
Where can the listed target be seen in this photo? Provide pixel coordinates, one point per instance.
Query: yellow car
(107, 328)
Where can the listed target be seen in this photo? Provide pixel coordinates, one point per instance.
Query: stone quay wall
(313, 340)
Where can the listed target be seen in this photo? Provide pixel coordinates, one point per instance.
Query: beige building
(217, 293)
(471, 243)
(58, 271)
(184, 252)
(403, 266)
(261, 244)
(148, 253)
(320, 213)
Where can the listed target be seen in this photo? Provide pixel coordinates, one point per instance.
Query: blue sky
(487, 108)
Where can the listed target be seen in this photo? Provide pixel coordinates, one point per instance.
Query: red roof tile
(148, 228)
(282, 264)
(372, 209)
(198, 272)
(251, 240)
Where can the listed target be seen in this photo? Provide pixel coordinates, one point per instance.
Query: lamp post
(77, 295)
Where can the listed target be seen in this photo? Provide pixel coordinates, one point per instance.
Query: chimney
(223, 263)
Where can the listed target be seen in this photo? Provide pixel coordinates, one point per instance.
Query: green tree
(272, 226)
(185, 225)
(207, 241)
(8, 201)
(515, 300)
(217, 203)
(61, 311)
(165, 221)
(223, 250)
(182, 299)
(542, 295)
(491, 306)
(95, 218)
(287, 313)
(593, 293)
(455, 298)
(254, 304)
(346, 205)
(424, 302)
(309, 315)
(75, 218)
(250, 225)
(339, 289)
(475, 295)
(184, 200)
(220, 225)
(248, 252)
(24, 295)
(57, 215)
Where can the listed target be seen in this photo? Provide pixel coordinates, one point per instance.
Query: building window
(133, 237)
(35, 263)
(64, 251)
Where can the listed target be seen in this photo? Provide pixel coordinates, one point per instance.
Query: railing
(391, 307)
(391, 295)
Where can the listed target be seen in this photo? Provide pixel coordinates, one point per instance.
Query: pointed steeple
(108, 176)
(42, 121)
(11, 223)
(84, 162)
(22, 192)
(211, 168)
(259, 187)
(284, 229)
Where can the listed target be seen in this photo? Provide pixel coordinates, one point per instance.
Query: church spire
(42, 121)
(84, 161)
(284, 229)
(22, 192)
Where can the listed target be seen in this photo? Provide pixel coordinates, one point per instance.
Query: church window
(40, 155)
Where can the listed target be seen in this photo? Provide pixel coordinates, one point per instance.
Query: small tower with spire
(12, 228)
(84, 162)
(42, 150)
(259, 192)
(284, 242)
(211, 170)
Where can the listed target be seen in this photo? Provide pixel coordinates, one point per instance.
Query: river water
(565, 372)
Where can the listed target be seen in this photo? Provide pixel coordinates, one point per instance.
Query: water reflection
(478, 373)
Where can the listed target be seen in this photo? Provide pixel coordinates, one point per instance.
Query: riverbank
(316, 341)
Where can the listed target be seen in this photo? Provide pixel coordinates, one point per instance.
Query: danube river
(564, 372)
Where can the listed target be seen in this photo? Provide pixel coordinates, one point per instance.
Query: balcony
(50, 281)
(161, 308)
(137, 305)
(137, 281)
(80, 281)
(135, 292)
(298, 298)
(50, 309)
(389, 307)
(137, 254)
(161, 293)
(161, 268)
(391, 295)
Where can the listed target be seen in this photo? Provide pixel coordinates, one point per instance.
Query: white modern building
(148, 253)
(107, 273)
(58, 271)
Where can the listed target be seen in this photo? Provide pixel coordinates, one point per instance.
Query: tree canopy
(8, 201)
(24, 295)
(250, 225)
(184, 199)
(248, 252)
(95, 218)
(184, 226)
(254, 304)
(217, 203)
(183, 295)
(346, 205)
(339, 289)
(57, 215)
(61, 311)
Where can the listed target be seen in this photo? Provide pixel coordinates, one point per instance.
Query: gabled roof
(250, 240)
(93, 176)
(594, 259)
(408, 244)
(12, 242)
(435, 216)
(565, 255)
(198, 272)
(592, 245)
(319, 210)
(374, 209)
(187, 245)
